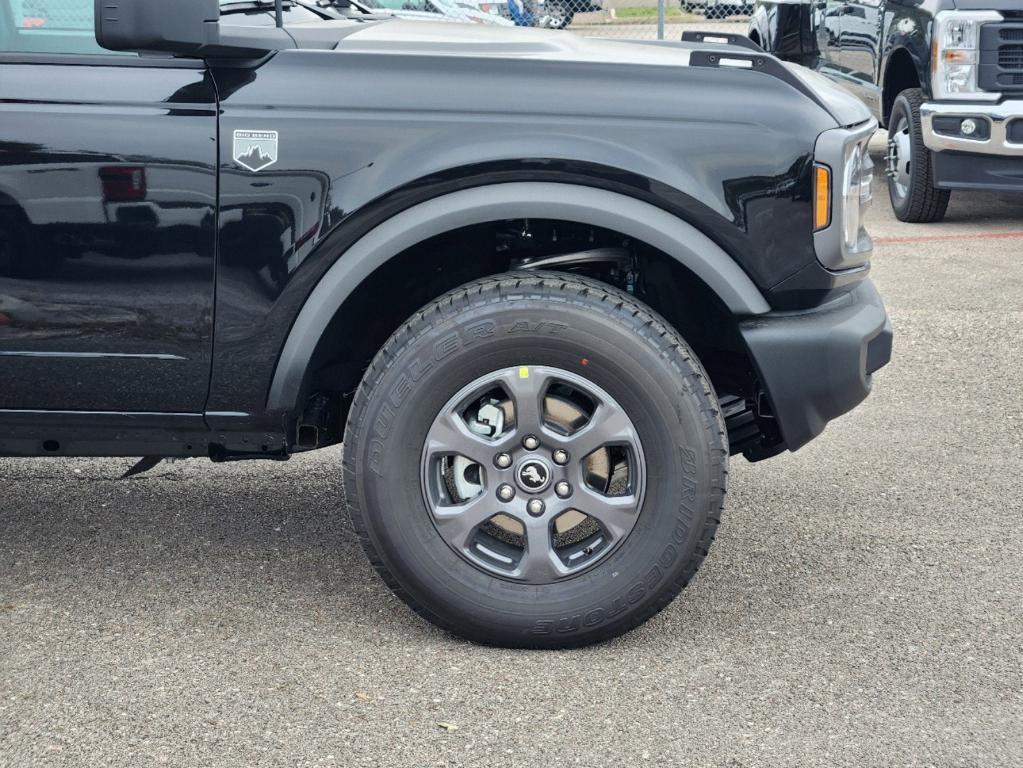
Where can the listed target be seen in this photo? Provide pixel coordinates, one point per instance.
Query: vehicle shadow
(245, 543)
(255, 547)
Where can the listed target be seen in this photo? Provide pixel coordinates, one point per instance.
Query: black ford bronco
(944, 76)
(539, 318)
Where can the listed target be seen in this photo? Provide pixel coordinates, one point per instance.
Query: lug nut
(505, 492)
(560, 456)
(563, 489)
(535, 507)
(531, 442)
(502, 460)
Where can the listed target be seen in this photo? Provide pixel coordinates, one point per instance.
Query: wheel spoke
(526, 392)
(608, 426)
(536, 500)
(455, 522)
(617, 514)
(539, 563)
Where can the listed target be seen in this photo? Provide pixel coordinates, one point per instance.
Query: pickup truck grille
(1011, 57)
(1001, 57)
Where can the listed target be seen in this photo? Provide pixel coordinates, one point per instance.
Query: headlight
(843, 179)
(858, 177)
(954, 52)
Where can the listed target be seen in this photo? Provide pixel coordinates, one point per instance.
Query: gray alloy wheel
(515, 474)
(535, 460)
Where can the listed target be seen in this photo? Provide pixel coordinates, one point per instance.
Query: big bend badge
(255, 150)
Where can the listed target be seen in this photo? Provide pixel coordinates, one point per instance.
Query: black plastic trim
(970, 170)
(1014, 131)
(999, 42)
(762, 62)
(817, 365)
(637, 219)
(721, 38)
(949, 125)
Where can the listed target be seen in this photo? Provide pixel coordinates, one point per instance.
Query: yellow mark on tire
(523, 372)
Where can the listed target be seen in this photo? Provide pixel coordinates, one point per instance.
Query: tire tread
(925, 203)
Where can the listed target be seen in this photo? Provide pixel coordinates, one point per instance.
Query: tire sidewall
(668, 408)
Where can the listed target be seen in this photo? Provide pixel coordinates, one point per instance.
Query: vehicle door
(107, 219)
(859, 43)
(827, 20)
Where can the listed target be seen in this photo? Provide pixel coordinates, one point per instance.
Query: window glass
(48, 26)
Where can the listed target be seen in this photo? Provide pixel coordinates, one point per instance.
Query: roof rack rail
(722, 58)
(721, 38)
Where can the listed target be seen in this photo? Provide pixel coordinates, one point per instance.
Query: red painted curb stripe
(926, 238)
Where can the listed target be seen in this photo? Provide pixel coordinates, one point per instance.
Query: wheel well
(900, 75)
(427, 270)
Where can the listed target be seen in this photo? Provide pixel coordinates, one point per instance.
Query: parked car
(945, 78)
(540, 322)
(718, 9)
(454, 10)
(547, 14)
(723, 9)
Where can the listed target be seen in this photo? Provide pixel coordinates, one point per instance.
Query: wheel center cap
(533, 475)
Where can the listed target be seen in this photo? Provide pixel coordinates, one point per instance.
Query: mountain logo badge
(255, 150)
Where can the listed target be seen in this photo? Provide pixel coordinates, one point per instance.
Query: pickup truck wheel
(536, 460)
(559, 15)
(20, 255)
(910, 175)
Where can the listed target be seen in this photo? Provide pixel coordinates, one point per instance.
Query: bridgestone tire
(923, 203)
(595, 332)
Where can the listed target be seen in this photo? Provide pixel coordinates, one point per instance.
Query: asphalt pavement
(861, 605)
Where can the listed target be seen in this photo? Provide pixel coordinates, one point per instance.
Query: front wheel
(536, 460)
(911, 187)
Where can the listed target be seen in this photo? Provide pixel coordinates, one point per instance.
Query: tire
(566, 331)
(20, 256)
(911, 187)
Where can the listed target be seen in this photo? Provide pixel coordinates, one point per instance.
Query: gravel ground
(861, 606)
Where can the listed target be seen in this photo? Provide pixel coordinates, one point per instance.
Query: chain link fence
(638, 19)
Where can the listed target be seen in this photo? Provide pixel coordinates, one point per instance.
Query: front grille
(1001, 57)
(1010, 57)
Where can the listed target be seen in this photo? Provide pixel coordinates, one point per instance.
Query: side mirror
(189, 28)
(182, 26)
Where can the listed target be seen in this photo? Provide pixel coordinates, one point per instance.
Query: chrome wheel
(533, 474)
(897, 161)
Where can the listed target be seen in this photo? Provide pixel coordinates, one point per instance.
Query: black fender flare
(587, 205)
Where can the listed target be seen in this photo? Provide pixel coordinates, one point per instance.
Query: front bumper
(816, 365)
(1005, 121)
